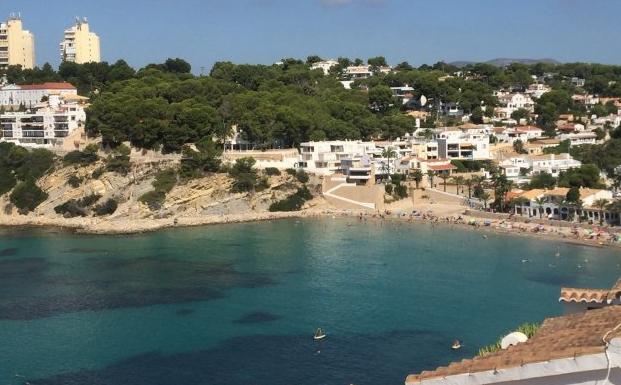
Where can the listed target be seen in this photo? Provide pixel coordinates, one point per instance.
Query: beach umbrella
(513, 339)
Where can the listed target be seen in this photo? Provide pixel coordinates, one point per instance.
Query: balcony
(61, 133)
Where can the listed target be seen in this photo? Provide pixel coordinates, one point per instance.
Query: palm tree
(417, 176)
(388, 153)
(601, 204)
(431, 174)
(469, 183)
(501, 187)
(518, 201)
(459, 181)
(615, 207)
(540, 201)
(485, 198)
(444, 177)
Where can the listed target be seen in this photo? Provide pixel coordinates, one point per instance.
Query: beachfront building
(16, 44)
(551, 204)
(465, 142)
(325, 157)
(48, 125)
(30, 95)
(79, 44)
(576, 349)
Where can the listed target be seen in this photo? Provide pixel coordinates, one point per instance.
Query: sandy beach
(402, 212)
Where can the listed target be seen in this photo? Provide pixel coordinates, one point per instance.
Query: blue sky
(263, 31)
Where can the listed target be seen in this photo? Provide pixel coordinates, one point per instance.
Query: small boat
(319, 334)
(456, 345)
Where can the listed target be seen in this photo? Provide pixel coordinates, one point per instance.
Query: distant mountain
(501, 62)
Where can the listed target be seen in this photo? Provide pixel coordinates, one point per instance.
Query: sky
(264, 31)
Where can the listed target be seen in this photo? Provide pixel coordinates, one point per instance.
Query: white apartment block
(326, 158)
(79, 44)
(470, 143)
(31, 95)
(47, 126)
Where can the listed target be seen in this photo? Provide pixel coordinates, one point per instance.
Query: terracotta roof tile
(48, 86)
(561, 337)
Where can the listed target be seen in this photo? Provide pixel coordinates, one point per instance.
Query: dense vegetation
(163, 106)
(164, 181)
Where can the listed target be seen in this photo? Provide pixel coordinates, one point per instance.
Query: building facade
(29, 95)
(80, 45)
(47, 126)
(16, 44)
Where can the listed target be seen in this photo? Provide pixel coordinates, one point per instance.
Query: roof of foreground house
(561, 337)
(570, 294)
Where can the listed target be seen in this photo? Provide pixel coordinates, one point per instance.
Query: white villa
(523, 133)
(553, 164)
(511, 102)
(324, 65)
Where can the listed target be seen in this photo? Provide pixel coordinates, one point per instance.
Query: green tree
(244, 174)
(417, 175)
(518, 147)
(27, 196)
(601, 204)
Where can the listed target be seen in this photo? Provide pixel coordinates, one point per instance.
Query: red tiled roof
(561, 337)
(441, 167)
(48, 86)
(570, 294)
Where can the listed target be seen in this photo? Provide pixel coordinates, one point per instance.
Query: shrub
(98, 172)
(401, 191)
(164, 182)
(302, 176)
(388, 188)
(262, 184)
(74, 181)
(88, 200)
(206, 159)
(70, 209)
(82, 158)
(397, 178)
(26, 196)
(293, 202)
(529, 329)
(106, 208)
(291, 171)
(119, 161)
(154, 199)
(272, 171)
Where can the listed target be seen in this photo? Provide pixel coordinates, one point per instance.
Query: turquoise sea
(238, 304)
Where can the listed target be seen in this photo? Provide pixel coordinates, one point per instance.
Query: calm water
(238, 304)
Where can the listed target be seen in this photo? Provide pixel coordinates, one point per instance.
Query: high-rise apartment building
(16, 44)
(80, 45)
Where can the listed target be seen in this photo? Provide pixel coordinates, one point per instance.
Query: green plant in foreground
(529, 329)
